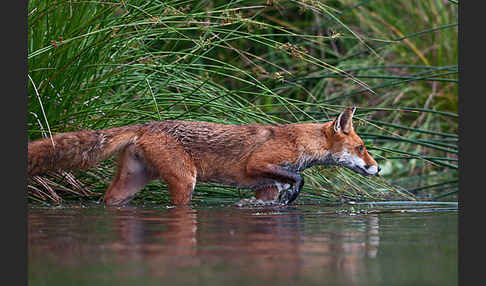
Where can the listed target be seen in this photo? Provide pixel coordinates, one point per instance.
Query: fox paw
(287, 194)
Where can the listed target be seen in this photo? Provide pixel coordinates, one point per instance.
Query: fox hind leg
(181, 180)
(131, 176)
(180, 189)
(171, 163)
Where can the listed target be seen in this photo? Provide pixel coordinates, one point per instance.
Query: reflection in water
(278, 244)
(158, 242)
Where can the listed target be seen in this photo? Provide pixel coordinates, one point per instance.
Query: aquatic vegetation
(99, 64)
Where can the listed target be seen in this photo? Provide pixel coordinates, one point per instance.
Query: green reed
(99, 64)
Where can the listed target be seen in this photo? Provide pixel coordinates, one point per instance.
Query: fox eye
(360, 148)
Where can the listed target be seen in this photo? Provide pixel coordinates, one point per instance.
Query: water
(226, 245)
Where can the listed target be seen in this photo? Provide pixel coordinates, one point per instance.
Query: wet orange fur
(182, 153)
(267, 194)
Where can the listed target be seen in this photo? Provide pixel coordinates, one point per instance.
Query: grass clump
(100, 64)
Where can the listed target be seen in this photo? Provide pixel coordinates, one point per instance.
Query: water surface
(226, 245)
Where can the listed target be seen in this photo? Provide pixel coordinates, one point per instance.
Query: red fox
(263, 158)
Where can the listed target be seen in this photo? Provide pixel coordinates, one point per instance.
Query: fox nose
(369, 166)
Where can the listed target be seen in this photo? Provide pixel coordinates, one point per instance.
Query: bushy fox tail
(77, 150)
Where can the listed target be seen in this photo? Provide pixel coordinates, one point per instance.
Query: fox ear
(344, 122)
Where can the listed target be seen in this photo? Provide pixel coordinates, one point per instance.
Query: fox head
(346, 148)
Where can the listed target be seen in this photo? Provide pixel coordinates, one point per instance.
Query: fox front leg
(288, 194)
(272, 192)
(281, 176)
